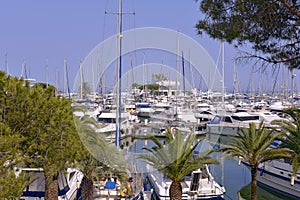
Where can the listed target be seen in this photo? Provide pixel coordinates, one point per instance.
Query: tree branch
(291, 8)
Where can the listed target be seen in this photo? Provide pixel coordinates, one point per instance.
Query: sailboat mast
(183, 74)
(223, 66)
(119, 44)
(67, 79)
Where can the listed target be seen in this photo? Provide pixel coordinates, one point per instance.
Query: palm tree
(291, 130)
(176, 159)
(96, 153)
(253, 145)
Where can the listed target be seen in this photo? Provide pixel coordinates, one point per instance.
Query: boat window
(71, 176)
(245, 118)
(216, 120)
(281, 172)
(227, 119)
(143, 106)
(205, 112)
(106, 120)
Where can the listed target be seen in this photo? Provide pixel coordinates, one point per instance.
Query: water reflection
(228, 173)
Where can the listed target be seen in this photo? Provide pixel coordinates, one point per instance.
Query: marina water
(228, 173)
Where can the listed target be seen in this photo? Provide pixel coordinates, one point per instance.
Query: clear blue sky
(42, 31)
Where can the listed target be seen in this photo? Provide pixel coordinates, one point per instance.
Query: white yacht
(200, 184)
(277, 175)
(68, 184)
(143, 109)
(107, 121)
(229, 124)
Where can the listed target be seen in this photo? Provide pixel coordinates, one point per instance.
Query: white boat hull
(277, 176)
(208, 188)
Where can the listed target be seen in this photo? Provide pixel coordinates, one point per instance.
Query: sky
(39, 33)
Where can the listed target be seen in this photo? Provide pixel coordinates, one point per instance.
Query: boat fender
(261, 171)
(125, 191)
(292, 180)
(223, 189)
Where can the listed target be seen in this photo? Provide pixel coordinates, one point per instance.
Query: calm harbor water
(228, 173)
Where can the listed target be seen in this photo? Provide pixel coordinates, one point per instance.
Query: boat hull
(279, 180)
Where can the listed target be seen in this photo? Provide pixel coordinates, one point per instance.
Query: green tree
(253, 145)
(95, 154)
(54, 139)
(291, 130)
(84, 90)
(271, 28)
(11, 184)
(44, 124)
(158, 78)
(11, 138)
(135, 85)
(176, 159)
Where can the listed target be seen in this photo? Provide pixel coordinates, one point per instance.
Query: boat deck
(102, 193)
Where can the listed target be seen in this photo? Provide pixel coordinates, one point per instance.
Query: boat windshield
(143, 106)
(216, 120)
(245, 118)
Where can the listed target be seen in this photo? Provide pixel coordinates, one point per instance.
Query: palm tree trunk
(254, 182)
(87, 188)
(175, 191)
(51, 187)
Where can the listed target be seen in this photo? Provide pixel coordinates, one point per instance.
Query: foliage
(291, 130)
(150, 87)
(176, 158)
(40, 125)
(253, 145)
(135, 85)
(158, 78)
(270, 27)
(84, 89)
(11, 185)
(97, 153)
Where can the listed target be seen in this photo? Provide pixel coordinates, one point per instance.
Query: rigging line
(104, 23)
(275, 82)
(134, 28)
(209, 85)
(100, 73)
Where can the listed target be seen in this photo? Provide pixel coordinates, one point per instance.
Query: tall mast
(223, 66)
(177, 70)
(67, 78)
(177, 60)
(293, 84)
(144, 87)
(119, 105)
(283, 86)
(235, 83)
(183, 74)
(81, 80)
